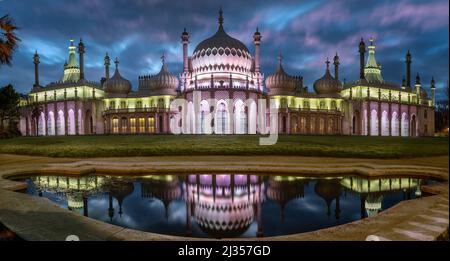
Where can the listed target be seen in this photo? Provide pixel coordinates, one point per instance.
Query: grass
(185, 145)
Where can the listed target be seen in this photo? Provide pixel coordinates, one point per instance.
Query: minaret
(107, 63)
(81, 53)
(336, 67)
(36, 69)
(257, 41)
(185, 41)
(418, 85)
(362, 51)
(408, 70)
(433, 91)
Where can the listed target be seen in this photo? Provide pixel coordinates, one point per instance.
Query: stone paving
(36, 218)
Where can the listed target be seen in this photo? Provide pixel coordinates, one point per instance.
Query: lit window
(151, 125)
(141, 125)
(115, 125)
(133, 125)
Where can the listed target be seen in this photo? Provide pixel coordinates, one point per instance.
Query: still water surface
(225, 205)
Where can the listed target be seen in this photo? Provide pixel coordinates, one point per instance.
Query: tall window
(123, 105)
(151, 125)
(321, 125)
(139, 104)
(124, 123)
(243, 120)
(306, 104)
(221, 119)
(312, 125)
(425, 114)
(133, 125)
(322, 105)
(112, 105)
(303, 125)
(330, 126)
(142, 125)
(115, 125)
(333, 105)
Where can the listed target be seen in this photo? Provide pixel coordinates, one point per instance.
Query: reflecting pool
(228, 205)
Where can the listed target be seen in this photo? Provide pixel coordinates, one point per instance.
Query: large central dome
(221, 52)
(221, 39)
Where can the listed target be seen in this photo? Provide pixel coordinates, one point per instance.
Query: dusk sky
(306, 33)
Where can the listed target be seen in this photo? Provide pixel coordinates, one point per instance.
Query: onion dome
(163, 82)
(327, 84)
(120, 190)
(329, 190)
(372, 204)
(117, 84)
(164, 188)
(221, 49)
(71, 68)
(223, 204)
(282, 83)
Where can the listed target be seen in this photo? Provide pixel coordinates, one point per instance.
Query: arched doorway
(161, 124)
(356, 123)
(88, 126)
(395, 124)
(222, 118)
(60, 122)
(413, 126)
(294, 125)
(384, 124)
(51, 124)
(283, 125)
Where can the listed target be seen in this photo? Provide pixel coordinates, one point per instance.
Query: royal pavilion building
(225, 92)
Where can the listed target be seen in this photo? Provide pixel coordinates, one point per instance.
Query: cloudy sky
(306, 32)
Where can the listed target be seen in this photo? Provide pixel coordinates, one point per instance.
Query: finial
(184, 31)
(328, 63)
(280, 58)
(71, 42)
(35, 52)
(81, 40)
(371, 41)
(106, 55)
(163, 58)
(117, 62)
(220, 16)
(257, 29)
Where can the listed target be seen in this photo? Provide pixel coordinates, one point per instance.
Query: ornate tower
(362, 51)
(433, 91)
(408, 69)
(107, 63)
(418, 86)
(336, 67)
(36, 69)
(257, 42)
(185, 42)
(81, 53)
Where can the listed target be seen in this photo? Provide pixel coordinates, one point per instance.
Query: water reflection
(225, 205)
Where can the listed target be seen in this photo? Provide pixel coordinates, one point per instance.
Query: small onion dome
(164, 81)
(327, 84)
(281, 81)
(328, 190)
(117, 84)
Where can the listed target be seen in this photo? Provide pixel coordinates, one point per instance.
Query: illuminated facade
(223, 85)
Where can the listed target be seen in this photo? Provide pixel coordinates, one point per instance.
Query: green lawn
(160, 145)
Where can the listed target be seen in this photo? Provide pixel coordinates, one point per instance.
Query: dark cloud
(306, 32)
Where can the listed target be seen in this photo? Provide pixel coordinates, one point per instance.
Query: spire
(336, 66)
(328, 64)
(107, 63)
(432, 83)
(417, 79)
(408, 61)
(362, 51)
(163, 61)
(280, 62)
(220, 17)
(117, 63)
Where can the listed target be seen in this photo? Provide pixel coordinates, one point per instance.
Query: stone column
(379, 118)
(55, 116)
(368, 116)
(66, 117)
(390, 118)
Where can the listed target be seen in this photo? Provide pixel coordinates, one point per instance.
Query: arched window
(330, 126)
(124, 123)
(151, 125)
(115, 125)
(222, 119)
(321, 125)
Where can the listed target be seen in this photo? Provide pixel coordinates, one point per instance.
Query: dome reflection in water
(228, 205)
